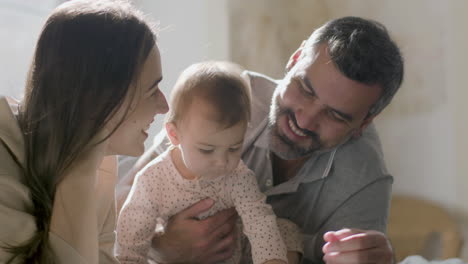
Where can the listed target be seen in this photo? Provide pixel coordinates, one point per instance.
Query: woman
(92, 91)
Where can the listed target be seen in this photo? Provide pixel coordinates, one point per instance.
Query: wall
(457, 57)
(191, 31)
(264, 33)
(20, 23)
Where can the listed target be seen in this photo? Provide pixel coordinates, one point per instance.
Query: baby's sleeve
(258, 219)
(292, 235)
(138, 218)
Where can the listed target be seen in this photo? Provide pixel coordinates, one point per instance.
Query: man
(313, 148)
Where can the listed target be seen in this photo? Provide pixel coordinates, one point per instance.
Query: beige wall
(20, 24)
(457, 73)
(264, 33)
(191, 31)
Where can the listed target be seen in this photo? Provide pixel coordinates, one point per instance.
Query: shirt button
(268, 183)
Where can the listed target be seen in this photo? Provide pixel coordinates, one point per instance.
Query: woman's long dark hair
(86, 58)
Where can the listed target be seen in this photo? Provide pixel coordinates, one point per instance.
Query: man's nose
(309, 117)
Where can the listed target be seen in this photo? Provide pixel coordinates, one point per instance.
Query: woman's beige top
(83, 217)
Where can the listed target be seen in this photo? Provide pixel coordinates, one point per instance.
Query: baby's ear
(172, 133)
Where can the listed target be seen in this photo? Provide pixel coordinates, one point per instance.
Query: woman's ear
(172, 133)
(295, 57)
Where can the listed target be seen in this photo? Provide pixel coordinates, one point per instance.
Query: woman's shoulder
(10, 132)
(14, 194)
(11, 151)
(16, 220)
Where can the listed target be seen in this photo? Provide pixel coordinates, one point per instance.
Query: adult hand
(357, 246)
(294, 257)
(189, 240)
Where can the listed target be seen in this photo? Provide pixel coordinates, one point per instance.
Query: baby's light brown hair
(217, 83)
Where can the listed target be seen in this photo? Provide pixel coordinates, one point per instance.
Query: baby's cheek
(233, 164)
(192, 161)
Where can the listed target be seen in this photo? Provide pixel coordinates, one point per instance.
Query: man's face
(315, 107)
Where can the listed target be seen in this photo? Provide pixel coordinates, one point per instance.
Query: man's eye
(304, 89)
(336, 116)
(307, 92)
(206, 151)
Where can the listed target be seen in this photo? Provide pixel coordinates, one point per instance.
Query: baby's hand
(275, 261)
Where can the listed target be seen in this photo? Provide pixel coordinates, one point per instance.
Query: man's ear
(172, 133)
(295, 57)
(367, 121)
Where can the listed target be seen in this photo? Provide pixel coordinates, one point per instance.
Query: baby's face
(209, 150)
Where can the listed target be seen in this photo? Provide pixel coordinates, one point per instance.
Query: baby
(210, 110)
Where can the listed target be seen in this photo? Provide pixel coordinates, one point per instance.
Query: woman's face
(148, 101)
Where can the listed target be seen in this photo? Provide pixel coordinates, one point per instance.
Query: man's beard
(280, 144)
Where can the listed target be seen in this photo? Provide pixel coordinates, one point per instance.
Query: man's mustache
(307, 132)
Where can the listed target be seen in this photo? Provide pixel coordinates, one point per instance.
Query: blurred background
(424, 131)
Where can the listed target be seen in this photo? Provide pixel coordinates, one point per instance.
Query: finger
(220, 256)
(225, 229)
(374, 255)
(227, 243)
(359, 241)
(220, 218)
(346, 232)
(223, 251)
(330, 237)
(196, 209)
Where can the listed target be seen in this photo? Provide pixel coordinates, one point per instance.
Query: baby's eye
(206, 151)
(234, 149)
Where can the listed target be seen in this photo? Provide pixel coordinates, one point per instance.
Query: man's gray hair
(363, 51)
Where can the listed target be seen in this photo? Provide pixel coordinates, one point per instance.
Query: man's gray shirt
(346, 187)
